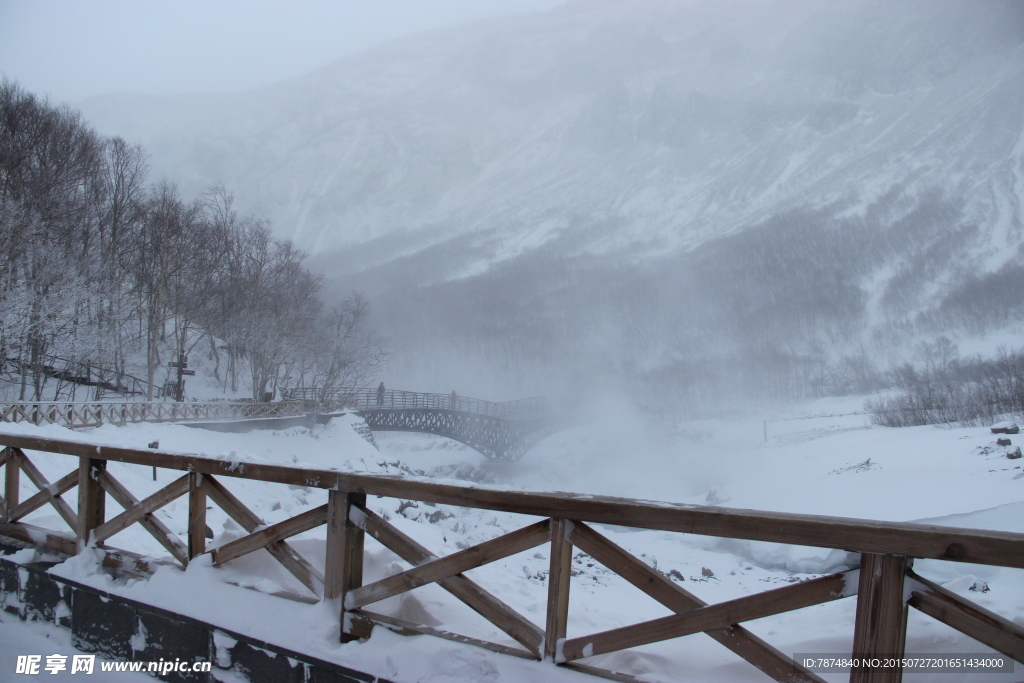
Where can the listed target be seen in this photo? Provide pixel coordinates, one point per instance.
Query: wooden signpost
(181, 364)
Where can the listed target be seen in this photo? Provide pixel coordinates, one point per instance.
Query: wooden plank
(338, 572)
(196, 515)
(335, 560)
(147, 506)
(257, 540)
(12, 482)
(63, 509)
(858, 535)
(737, 638)
(3, 500)
(714, 617)
(47, 495)
(558, 589)
(483, 603)
(979, 546)
(92, 499)
(362, 623)
(634, 570)
(881, 622)
(343, 566)
(38, 536)
(149, 522)
(601, 673)
(998, 633)
(456, 563)
(133, 564)
(280, 550)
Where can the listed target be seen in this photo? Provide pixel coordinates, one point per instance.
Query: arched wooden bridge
(497, 430)
(503, 430)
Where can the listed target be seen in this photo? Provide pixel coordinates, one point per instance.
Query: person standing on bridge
(455, 399)
(380, 394)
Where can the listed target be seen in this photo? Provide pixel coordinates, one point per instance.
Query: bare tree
(349, 354)
(165, 245)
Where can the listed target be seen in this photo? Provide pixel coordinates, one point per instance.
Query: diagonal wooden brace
(40, 481)
(479, 600)
(149, 522)
(715, 617)
(297, 565)
(50, 494)
(136, 512)
(257, 540)
(986, 627)
(456, 563)
(737, 638)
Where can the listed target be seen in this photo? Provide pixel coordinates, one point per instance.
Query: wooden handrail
(856, 535)
(886, 549)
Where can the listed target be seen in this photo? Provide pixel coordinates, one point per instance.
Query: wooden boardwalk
(884, 585)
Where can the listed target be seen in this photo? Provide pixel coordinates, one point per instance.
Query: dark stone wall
(126, 630)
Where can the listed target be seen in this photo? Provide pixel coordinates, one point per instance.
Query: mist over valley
(727, 198)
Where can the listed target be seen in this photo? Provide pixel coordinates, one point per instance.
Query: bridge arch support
(494, 437)
(497, 430)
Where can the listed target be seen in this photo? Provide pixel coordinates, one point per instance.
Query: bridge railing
(84, 414)
(884, 584)
(369, 399)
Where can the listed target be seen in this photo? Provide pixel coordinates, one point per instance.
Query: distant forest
(99, 265)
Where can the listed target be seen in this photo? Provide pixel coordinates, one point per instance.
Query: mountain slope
(852, 165)
(673, 121)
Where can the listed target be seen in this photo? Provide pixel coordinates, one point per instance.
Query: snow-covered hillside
(821, 458)
(702, 189)
(621, 126)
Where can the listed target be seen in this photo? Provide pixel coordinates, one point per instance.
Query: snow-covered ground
(823, 458)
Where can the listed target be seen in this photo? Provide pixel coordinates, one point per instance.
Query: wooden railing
(370, 399)
(79, 415)
(86, 373)
(885, 583)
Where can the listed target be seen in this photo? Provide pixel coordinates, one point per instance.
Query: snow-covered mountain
(644, 126)
(884, 138)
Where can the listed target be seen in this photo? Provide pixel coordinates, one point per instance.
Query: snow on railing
(884, 583)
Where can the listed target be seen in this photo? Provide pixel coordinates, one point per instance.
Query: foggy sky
(70, 49)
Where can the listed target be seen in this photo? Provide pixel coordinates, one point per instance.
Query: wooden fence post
(558, 588)
(196, 515)
(13, 482)
(343, 569)
(91, 498)
(881, 623)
